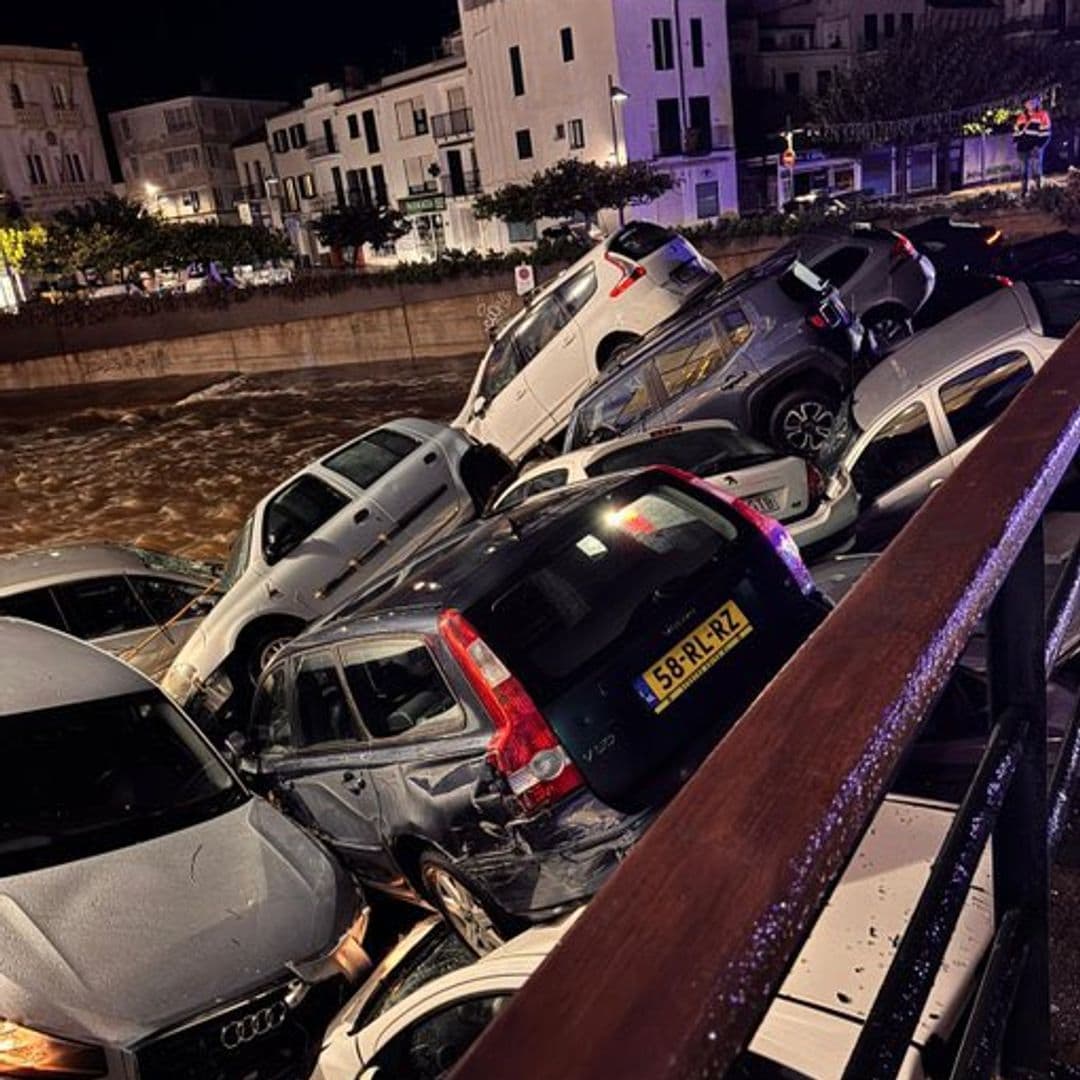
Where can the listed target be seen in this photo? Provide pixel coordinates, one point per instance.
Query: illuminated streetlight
(616, 96)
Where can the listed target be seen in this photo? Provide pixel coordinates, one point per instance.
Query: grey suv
(773, 351)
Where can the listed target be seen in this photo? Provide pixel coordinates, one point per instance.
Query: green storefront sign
(423, 204)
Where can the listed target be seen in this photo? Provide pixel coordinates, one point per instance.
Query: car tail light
(902, 247)
(1003, 281)
(815, 485)
(631, 272)
(523, 749)
(770, 528)
(994, 237)
(818, 321)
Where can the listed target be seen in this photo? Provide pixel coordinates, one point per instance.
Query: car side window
(503, 364)
(164, 598)
(975, 399)
(368, 459)
(295, 513)
(549, 481)
(902, 447)
(397, 688)
(270, 727)
(101, 607)
(705, 349)
(841, 265)
(322, 713)
(536, 330)
(431, 1047)
(578, 291)
(626, 401)
(37, 605)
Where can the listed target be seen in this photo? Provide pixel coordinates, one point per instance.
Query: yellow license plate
(680, 667)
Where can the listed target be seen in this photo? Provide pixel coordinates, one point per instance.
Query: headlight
(33, 1055)
(179, 682)
(348, 957)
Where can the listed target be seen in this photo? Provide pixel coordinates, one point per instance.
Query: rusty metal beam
(671, 968)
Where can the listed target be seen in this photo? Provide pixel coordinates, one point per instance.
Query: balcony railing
(321, 147)
(428, 187)
(691, 142)
(451, 125)
(67, 115)
(250, 192)
(465, 184)
(30, 114)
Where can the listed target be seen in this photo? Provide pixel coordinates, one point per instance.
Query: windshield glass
(239, 555)
(176, 564)
(102, 775)
(1058, 303)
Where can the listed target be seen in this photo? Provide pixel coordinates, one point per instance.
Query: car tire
(465, 905)
(260, 650)
(888, 327)
(801, 421)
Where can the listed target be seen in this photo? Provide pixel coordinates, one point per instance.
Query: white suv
(595, 309)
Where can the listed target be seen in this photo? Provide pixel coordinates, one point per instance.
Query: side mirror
(479, 406)
(204, 605)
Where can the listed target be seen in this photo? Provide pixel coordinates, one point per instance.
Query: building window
(870, 39)
(708, 199)
(73, 169)
(213, 156)
(663, 47)
(524, 144)
(697, 44)
(15, 90)
(576, 129)
(36, 168)
(371, 131)
(699, 135)
(307, 186)
(297, 136)
(292, 199)
(354, 125)
(378, 180)
(59, 96)
(125, 127)
(133, 166)
(281, 141)
(412, 118)
(791, 83)
(824, 81)
(179, 119)
(566, 38)
(517, 73)
(178, 161)
(560, 132)
(889, 24)
(669, 126)
(907, 23)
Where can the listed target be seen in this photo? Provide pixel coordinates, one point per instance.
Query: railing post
(1017, 640)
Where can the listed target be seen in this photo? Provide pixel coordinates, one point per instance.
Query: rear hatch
(643, 629)
(669, 259)
(737, 463)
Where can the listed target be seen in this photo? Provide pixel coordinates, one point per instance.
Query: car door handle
(430, 459)
(521, 393)
(937, 482)
(568, 341)
(361, 515)
(353, 783)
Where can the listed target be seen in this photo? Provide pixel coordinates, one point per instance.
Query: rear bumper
(558, 860)
(831, 525)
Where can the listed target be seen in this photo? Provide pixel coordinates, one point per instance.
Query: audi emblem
(253, 1026)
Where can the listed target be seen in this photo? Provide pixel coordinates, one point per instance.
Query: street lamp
(616, 96)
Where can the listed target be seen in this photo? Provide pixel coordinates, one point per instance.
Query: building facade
(51, 151)
(176, 156)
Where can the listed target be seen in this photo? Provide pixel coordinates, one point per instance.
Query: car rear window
(568, 607)
(697, 451)
(638, 239)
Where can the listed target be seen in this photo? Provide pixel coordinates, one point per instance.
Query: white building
(51, 152)
(176, 155)
(606, 81)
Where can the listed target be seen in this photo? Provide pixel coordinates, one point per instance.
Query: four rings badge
(253, 1026)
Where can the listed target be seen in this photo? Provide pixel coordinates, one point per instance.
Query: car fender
(819, 363)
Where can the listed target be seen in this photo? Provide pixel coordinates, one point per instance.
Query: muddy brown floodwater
(177, 464)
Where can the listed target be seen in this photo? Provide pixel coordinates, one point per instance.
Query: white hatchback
(819, 512)
(592, 312)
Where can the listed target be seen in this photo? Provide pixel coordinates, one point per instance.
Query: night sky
(145, 51)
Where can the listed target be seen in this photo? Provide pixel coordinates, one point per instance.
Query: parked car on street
(953, 244)
(773, 351)
(157, 920)
(140, 605)
(419, 1013)
(493, 726)
(317, 537)
(914, 418)
(879, 274)
(817, 511)
(1054, 257)
(573, 328)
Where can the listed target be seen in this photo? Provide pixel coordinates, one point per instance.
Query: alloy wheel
(807, 426)
(464, 911)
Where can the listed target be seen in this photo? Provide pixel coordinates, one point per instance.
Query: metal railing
(449, 125)
(468, 183)
(67, 115)
(428, 187)
(322, 147)
(30, 114)
(673, 965)
(690, 142)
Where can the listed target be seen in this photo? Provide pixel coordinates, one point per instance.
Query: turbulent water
(178, 464)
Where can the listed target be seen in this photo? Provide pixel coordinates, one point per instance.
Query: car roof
(935, 352)
(42, 668)
(40, 567)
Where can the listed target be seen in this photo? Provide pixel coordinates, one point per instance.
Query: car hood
(114, 947)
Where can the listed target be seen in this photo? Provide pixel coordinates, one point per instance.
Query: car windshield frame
(130, 824)
(239, 555)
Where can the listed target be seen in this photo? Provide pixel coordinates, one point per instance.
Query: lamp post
(616, 96)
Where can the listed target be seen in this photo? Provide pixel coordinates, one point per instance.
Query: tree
(355, 226)
(575, 188)
(98, 236)
(19, 244)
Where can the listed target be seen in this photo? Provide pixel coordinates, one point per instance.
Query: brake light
(818, 321)
(631, 272)
(1003, 281)
(815, 485)
(903, 248)
(772, 530)
(994, 237)
(523, 749)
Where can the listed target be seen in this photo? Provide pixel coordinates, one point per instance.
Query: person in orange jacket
(1031, 134)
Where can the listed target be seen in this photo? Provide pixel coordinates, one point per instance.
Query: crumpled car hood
(114, 947)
